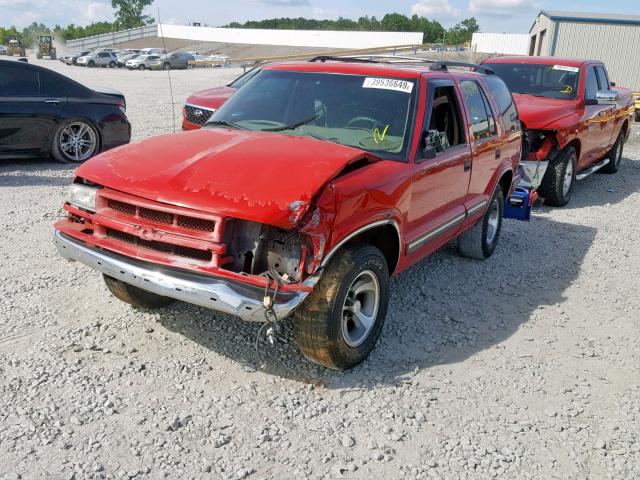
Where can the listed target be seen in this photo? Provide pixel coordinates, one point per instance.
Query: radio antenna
(164, 46)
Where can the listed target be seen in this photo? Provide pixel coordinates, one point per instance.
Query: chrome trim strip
(449, 224)
(228, 296)
(379, 223)
(208, 109)
(478, 206)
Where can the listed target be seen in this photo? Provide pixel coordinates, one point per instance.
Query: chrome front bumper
(227, 296)
(531, 173)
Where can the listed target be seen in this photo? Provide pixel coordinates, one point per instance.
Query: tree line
(128, 14)
(433, 31)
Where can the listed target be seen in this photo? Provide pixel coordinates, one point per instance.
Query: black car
(43, 112)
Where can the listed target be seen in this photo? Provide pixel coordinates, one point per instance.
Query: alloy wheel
(78, 141)
(493, 221)
(360, 308)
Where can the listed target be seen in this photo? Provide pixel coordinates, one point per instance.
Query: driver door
(441, 172)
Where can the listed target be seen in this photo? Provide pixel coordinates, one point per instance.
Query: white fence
(296, 38)
(108, 39)
(501, 43)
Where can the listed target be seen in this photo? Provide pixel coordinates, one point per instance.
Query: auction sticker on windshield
(388, 84)
(566, 68)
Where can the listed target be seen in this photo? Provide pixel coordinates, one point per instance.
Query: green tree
(462, 32)
(129, 13)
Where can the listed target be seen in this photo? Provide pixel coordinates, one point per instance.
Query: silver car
(172, 60)
(141, 62)
(3, 50)
(98, 59)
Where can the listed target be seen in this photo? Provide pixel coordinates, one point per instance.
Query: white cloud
(94, 12)
(441, 9)
(498, 8)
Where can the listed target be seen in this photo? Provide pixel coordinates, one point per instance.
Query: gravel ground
(525, 366)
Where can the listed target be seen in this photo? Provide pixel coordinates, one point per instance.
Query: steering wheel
(354, 121)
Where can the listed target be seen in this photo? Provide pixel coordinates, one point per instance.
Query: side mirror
(428, 153)
(606, 97)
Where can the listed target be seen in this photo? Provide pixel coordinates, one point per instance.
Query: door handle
(52, 100)
(467, 165)
(498, 153)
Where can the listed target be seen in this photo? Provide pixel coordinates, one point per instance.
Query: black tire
(320, 324)
(141, 67)
(135, 296)
(91, 63)
(480, 241)
(56, 147)
(614, 156)
(112, 64)
(552, 188)
(167, 66)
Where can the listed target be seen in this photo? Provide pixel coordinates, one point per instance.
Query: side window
(506, 105)
(445, 129)
(53, 86)
(590, 84)
(603, 80)
(482, 121)
(18, 82)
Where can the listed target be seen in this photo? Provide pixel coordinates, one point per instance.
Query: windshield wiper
(224, 123)
(292, 126)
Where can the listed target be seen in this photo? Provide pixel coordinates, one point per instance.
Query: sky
(511, 16)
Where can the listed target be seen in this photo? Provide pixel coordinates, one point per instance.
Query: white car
(141, 62)
(3, 50)
(98, 59)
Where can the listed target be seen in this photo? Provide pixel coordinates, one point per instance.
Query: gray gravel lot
(525, 366)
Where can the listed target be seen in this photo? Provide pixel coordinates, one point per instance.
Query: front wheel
(141, 67)
(167, 66)
(91, 64)
(559, 179)
(615, 156)
(480, 241)
(135, 296)
(339, 323)
(112, 64)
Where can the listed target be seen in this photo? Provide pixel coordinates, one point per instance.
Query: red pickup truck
(575, 120)
(304, 192)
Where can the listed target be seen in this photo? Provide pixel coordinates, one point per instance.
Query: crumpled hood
(259, 176)
(212, 97)
(538, 112)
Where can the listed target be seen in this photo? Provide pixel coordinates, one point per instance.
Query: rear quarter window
(504, 100)
(18, 81)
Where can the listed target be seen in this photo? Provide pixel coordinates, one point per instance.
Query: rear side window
(590, 84)
(603, 80)
(16, 81)
(482, 121)
(504, 100)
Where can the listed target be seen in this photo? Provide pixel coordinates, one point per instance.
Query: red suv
(306, 191)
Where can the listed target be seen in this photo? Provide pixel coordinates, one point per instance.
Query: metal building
(500, 43)
(613, 39)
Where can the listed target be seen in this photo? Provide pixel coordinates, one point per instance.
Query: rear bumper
(224, 295)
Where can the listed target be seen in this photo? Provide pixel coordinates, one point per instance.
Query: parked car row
(130, 58)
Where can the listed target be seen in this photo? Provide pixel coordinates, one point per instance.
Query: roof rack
(443, 66)
(436, 65)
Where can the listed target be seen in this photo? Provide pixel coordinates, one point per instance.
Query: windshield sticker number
(388, 84)
(564, 68)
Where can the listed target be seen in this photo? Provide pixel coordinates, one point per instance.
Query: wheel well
(575, 143)
(386, 239)
(625, 127)
(505, 182)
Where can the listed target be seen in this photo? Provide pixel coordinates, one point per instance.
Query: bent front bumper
(227, 296)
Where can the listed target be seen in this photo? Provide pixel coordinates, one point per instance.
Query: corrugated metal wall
(618, 46)
(502, 43)
(543, 24)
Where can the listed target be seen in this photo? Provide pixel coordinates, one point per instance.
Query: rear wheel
(112, 64)
(614, 156)
(339, 323)
(559, 179)
(134, 295)
(480, 241)
(75, 141)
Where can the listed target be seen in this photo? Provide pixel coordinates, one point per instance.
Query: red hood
(539, 112)
(264, 177)
(212, 97)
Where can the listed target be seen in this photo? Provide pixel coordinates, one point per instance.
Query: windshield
(551, 81)
(370, 113)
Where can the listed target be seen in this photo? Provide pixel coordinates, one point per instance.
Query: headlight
(84, 197)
